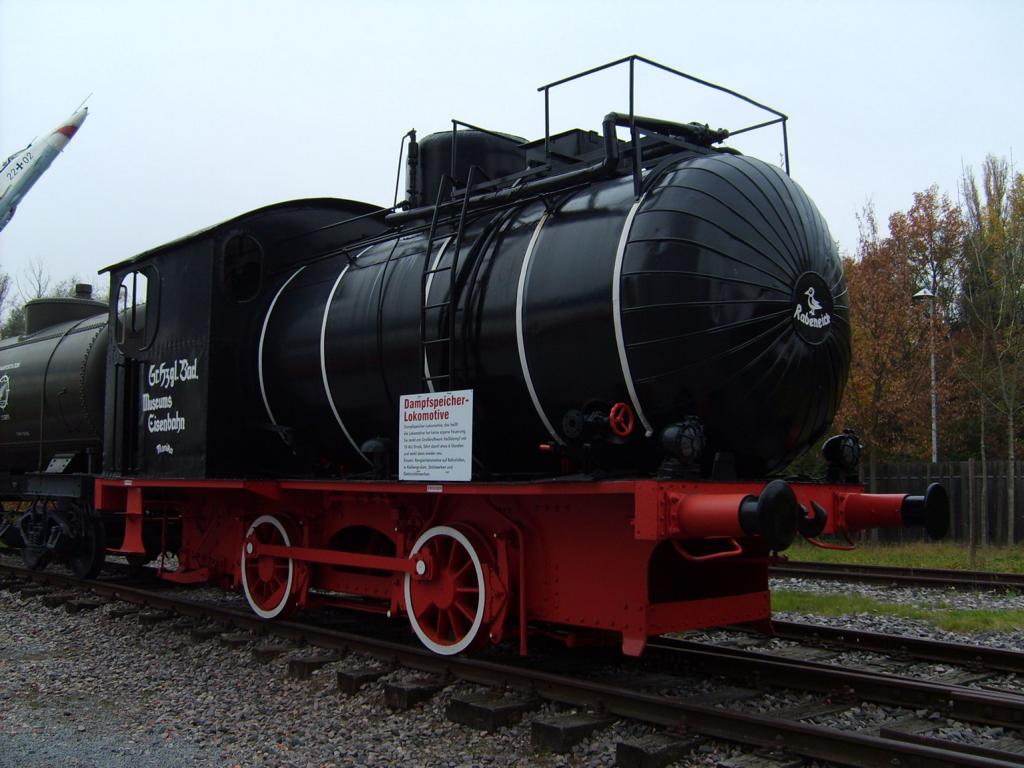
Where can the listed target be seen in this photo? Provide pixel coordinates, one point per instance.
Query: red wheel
(267, 580)
(622, 419)
(447, 611)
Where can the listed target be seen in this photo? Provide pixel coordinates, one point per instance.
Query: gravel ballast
(91, 690)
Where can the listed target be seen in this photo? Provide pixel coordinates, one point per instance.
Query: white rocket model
(22, 169)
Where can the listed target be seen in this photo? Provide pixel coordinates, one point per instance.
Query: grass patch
(949, 619)
(917, 555)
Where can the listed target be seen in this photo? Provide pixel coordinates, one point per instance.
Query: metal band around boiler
(617, 317)
(426, 300)
(520, 342)
(323, 357)
(263, 336)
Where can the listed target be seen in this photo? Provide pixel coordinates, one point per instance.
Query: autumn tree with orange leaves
(886, 333)
(971, 259)
(887, 397)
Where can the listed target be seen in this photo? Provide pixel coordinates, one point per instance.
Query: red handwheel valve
(622, 419)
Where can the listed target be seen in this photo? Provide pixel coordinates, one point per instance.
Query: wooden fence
(978, 504)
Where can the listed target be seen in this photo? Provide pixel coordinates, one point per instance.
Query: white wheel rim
(478, 619)
(276, 610)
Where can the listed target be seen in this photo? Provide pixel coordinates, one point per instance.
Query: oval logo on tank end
(812, 311)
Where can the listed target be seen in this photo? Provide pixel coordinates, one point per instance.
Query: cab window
(136, 309)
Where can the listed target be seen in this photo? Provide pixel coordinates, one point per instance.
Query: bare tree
(5, 289)
(993, 291)
(34, 282)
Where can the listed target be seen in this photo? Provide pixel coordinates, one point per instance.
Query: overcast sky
(203, 110)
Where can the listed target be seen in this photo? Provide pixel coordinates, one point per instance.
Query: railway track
(724, 722)
(767, 668)
(886, 574)
(977, 656)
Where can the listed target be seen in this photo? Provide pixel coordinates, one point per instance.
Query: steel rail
(964, 654)
(970, 749)
(885, 574)
(757, 730)
(956, 701)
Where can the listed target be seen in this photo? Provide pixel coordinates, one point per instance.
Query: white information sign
(436, 436)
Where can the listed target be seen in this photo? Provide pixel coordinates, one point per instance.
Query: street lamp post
(926, 295)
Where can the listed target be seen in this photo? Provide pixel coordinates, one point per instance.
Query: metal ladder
(450, 305)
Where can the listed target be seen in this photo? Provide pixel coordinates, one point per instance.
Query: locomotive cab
(180, 394)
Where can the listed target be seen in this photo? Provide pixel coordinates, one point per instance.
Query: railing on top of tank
(546, 89)
(393, 215)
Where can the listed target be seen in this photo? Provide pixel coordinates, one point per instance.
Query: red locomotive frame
(468, 563)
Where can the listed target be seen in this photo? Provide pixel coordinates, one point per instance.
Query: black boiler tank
(718, 294)
(51, 393)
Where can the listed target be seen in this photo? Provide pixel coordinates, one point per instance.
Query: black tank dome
(734, 309)
(496, 155)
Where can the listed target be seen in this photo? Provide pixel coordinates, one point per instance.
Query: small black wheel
(34, 531)
(10, 537)
(90, 550)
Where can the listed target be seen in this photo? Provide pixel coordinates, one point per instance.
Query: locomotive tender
(582, 356)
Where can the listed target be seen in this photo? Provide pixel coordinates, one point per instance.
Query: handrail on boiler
(631, 60)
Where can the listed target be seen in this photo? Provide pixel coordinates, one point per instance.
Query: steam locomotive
(545, 393)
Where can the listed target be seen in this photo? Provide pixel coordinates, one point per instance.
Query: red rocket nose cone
(74, 123)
